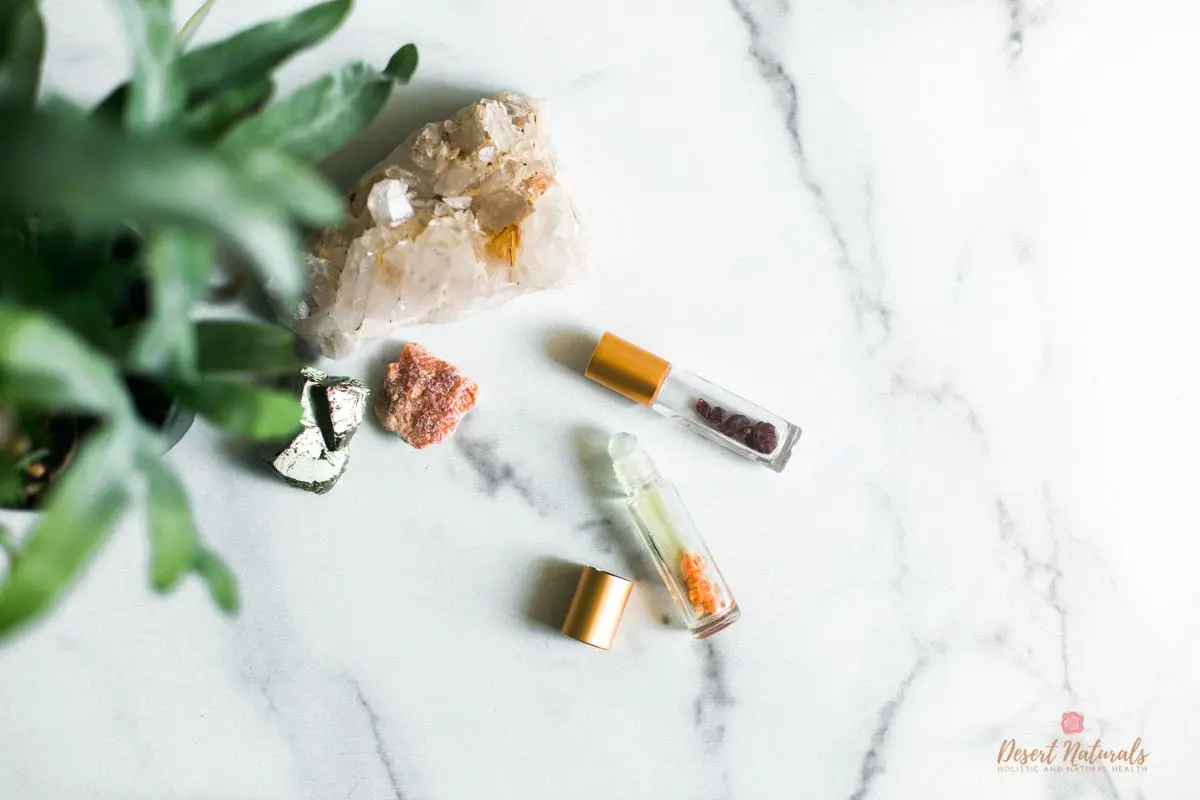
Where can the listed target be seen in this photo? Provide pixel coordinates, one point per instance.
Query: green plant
(185, 157)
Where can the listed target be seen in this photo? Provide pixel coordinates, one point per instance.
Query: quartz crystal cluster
(332, 410)
(465, 214)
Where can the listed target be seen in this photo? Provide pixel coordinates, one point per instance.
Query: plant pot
(59, 438)
(160, 410)
(157, 408)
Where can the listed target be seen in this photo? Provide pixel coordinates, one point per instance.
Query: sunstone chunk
(423, 398)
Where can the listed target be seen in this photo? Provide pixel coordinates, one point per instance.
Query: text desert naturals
(1071, 755)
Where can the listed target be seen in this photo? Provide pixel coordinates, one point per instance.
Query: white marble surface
(953, 240)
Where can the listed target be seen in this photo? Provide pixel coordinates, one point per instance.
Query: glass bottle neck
(634, 468)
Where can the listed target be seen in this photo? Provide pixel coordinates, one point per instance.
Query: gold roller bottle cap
(627, 369)
(596, 608)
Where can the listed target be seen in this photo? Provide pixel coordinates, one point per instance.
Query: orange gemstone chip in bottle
(705, 597)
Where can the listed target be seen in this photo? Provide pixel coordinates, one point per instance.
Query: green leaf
(175, 547)
(242, 409)
(178, 263)
(83, 279)
(299, 189)
(247, 55)
(257, 50)
(44, 365)
(13, 458)
(317, 119)
(235, 346)
(209, 120)
(156, 93)
(22, 44)
(8, 543)
(10, 482)
(83, 506)
(193, 24)
(402, 64)
(80, 169)
(221, 584)
(174, 542)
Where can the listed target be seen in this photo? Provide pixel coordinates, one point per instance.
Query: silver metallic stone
(308, 464)
(332, 409)
(347, 402)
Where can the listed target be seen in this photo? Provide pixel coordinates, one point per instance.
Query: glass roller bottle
(686, 566)
(703, 407)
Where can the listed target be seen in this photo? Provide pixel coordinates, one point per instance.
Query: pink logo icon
(1072, 722)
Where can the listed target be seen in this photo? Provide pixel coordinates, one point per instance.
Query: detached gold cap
(627, 369)
(596, 608)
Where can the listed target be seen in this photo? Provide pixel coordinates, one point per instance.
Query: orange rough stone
(423, 398)
(704, 596)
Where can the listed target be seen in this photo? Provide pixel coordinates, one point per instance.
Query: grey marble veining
(381, 748)
(494, 472)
